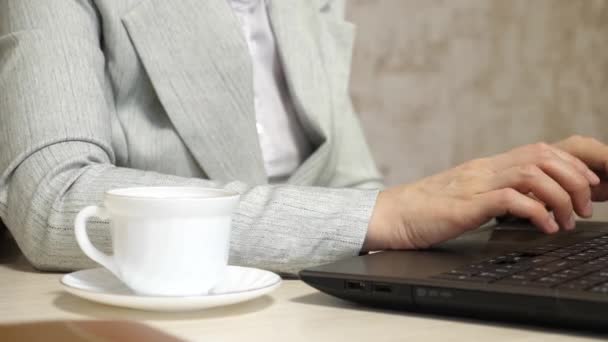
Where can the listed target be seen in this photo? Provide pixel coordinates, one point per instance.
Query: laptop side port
(382, 288)
(355, 285)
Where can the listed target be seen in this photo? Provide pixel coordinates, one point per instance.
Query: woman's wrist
(378, 237)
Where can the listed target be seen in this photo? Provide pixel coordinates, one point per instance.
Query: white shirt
(284, 145)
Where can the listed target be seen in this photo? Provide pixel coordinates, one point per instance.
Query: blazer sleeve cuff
(299, 227)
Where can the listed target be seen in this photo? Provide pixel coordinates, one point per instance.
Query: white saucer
(240, 284)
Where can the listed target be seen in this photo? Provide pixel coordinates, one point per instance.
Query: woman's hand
(546, 184)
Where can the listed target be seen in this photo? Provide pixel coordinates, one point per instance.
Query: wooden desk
(295, 312)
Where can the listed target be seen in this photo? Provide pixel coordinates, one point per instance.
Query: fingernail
(553, 227)
(589, 209)
(593, 178)
(571, 222)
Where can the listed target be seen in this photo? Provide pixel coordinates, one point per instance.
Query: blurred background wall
(438, 82)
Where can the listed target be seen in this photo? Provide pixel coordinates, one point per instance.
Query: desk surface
(295, 312)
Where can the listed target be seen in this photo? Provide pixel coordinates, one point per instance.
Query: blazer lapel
(296, 25)
(197, 60)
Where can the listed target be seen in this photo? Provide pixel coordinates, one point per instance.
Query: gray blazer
(101, 94)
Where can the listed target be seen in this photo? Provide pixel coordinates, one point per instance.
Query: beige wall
(439, 82)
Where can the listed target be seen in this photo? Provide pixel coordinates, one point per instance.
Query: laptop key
(505, 271)
(558, 254)
(600, 289)
(559, 265)
(573, 249)
(602, 273)
(541, 260)
(584, 256)
(589, 267)
(564, 277)
(581, 283)
(572, 271)
(519, 277)
(543, 248)
(534, 273)
(490, 275)
(572, 286)
(575, 285)
(595, 278)
(546, 281)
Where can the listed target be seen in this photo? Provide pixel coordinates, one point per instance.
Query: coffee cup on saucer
(167, 241)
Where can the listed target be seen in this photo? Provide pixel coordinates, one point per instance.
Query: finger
(532, 154)
(523, 155)
(562, 171)
(531, 178)
(578, 165)
(511, 217)
(591, 151)
(531, 195)
(510, 201)
(572, 181)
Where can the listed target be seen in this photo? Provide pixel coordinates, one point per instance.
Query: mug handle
(80, 228)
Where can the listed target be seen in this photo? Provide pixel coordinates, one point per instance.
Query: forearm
(283, 228)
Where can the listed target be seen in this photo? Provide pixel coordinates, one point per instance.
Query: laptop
(506, 271)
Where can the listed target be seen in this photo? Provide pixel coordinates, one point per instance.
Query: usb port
(355, 285)
(382, 288)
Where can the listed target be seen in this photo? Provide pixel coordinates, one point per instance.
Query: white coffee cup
(167, 241)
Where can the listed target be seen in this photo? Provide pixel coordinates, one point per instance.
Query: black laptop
(507, 271)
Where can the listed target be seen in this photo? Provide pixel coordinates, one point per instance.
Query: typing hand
(526, 182)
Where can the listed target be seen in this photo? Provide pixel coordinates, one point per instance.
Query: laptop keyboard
(581, 266)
